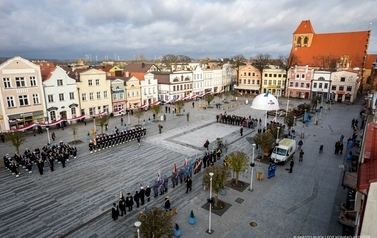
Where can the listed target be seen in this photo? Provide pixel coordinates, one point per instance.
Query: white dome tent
(266, 102)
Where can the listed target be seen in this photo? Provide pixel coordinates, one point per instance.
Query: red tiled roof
(162, 78)
(354, 44)
(371, 58)
(368, 169)
(140, 68)
(125, 79)
(304, 27)
(105, 68)
(46, 72)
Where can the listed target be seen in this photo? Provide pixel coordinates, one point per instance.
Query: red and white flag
(175, 168)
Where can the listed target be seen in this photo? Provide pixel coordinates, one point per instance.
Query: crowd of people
(238, 120)
(105, 141)
(49, 154)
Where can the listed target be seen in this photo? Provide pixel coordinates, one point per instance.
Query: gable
(19, 63)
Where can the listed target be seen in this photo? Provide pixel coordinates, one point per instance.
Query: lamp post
(210, 200)
(286, 111)
(137, 225)
(276, 111)
(128, 117)
(252, 164)
(48, 135)
(277, 135)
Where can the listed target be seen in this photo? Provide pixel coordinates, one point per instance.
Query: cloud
(197, 28)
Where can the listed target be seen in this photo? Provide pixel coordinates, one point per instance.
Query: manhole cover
(239, 200)
(253, 224)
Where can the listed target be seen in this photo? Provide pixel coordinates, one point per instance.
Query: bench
(173, 211)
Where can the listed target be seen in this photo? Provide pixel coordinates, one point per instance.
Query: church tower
(303, 36)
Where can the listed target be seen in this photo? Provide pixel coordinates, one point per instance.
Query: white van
(283, 151)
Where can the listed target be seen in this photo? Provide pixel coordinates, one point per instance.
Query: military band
(105, 141)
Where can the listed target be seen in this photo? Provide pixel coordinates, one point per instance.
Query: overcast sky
(71, 29)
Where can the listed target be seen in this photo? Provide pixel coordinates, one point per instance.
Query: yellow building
(274, 81)
(21, 96)
(248, 80)
(133, 88)
(94, 92)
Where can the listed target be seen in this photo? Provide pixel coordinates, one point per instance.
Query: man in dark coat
(137, 199)
(148, 193)
(122, 206)
(114, 212)
(142, 195)
(291, 166)
(129, 202)
(188, 184)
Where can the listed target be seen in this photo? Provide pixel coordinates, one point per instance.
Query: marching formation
(49, 154)
(105, 141)
(238, 120)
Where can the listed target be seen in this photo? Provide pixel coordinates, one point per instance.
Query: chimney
(142, 65)
(127, 74)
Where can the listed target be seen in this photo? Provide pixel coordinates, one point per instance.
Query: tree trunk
(237, 174)
(216, 199)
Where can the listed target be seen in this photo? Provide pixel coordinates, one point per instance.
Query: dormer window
(306, 41)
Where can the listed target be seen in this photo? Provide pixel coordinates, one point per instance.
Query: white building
(60, 91)
(197, 81)
(321, 84)
(228, 76)
(149, 89)
(344, 85)
(208, 80)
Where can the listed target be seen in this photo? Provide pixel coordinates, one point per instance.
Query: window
(342, 79)
(265, 75)
(121, 96)
(319, 85)
(97, 82)
(258, 82)
(20, 82)
(53, 116)
(275, 75)
(341, 87)
(90, 82)
(104, 94)
(326, 85)
(270, 75)
(173, 88)
(60, 82)
(92, 111)
(50, 98)
(297, 76)
(10, 101)
(149, 81)
(73, 111)
(253, 74)
(269, 82)
(6, 82)
(249, 74)
(296, 84)
(61, 97)
(91, 97)
(248, 81)
(181, 87)
(308, 85)
(290, 84)
(314, 85)
(71, 95)
(333, 87)
(302, 76)
(35, 98)
(33, 82)
(274, 82)
(83, 96)
(279, 75)
(279, 82)
(244, 81)
(98, 95)
(349, 88)
(284, 75)
(302, 85)
(253, 82)
(23, 100)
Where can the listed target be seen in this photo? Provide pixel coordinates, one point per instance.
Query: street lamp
(286, 111)
(137, 225)
(277, 135)
(128, 117)
(210, 201)
(252, 164)
(48, 135)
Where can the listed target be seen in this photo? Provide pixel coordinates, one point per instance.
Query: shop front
(23, 120)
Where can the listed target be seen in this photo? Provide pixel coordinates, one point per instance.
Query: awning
(350, 180)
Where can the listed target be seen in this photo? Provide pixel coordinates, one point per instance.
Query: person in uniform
(137, 199)
(91, 146)
(114, 212)
(174, 179)
(40, 165)
(122, 206)
(166, 184)
(155, 188)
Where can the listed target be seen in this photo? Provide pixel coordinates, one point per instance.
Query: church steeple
(303, 36)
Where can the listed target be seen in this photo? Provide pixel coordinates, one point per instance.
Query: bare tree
(325, 61)
(260, 61)
(170, 60)
(209, 98)
(102, 121)
(179, 105)
(74, 133)
(16, 138)
(265, 141)
(156, 109)
(238, 162)
(155, 223)
(221, 175)
(138, 113)
(184, 59)
(237, 61)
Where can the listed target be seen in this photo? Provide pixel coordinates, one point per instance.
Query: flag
(175, 168)
(185, 162)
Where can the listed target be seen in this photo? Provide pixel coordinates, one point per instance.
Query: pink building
(299, 81)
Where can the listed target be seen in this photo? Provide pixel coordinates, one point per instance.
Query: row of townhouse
(300, 82)
(42, 93)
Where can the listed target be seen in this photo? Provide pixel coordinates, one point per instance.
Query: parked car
(162, 102)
